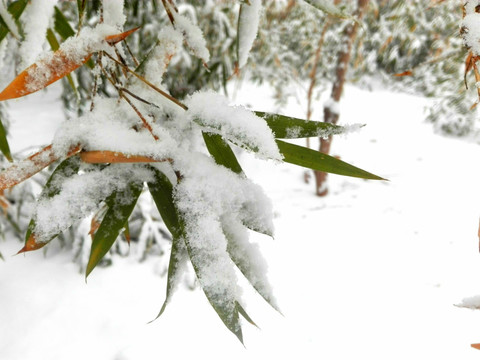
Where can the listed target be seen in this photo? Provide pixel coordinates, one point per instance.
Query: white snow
(372, 271)
(248, 27)
(471, 24)
(236, 124)
(36, 19)
(113, 13)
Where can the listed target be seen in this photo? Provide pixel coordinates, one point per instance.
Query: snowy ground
(372, 271)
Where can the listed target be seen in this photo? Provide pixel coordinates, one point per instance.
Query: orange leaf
(109, 157)
(32, 244)
(405, 73)
(476, 346)
(38, 76)
(26, 168)
(113, 39)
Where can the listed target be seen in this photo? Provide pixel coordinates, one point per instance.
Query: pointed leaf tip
(31, 244)
(113, 39)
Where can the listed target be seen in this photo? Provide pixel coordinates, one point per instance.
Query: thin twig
(160, 91)
(144, 121)
(139, 98)
(135, 61)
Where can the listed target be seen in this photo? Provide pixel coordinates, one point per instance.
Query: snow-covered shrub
(419, 39)
(136, 145)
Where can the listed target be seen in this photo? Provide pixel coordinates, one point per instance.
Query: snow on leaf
(36, 19)
(67, 168)
(22, 170)
(248, 21)
(52, 66)
(81, 194)
(9, 20)
(212, 113)
(248, 259)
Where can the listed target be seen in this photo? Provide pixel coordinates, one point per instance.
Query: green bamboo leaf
(162, 192)
(286, 127)
(222, 152)
(315, 160)
(66, 169)
(1, 257)
(16, 9)
(4, 147)
(222, 308)
(81, 5)
(61, 25)
(177, 259)
(120, 206)
(242, 255)
(242, 312)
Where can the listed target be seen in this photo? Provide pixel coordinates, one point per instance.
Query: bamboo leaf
(223, 308)
(315, 160)
(52, 40)
(4, 147)
(221, 152)
(162, 192)
(177, 259)
(120, 206)
(61, 25)
(243, 254)
(286, 127)
(242, 312)
(16, 9)
(66, 169)
(329, 8)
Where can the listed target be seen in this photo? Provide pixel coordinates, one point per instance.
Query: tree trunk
(330, 110)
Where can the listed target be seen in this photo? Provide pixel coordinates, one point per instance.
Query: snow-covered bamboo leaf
(56, 65)
(227, 311)
(61, 25)
(248, 259)
(328, 7)
(7, 20)
(233, 123)
(120, 205)
(4, 147)
(28, 167)
(248, 20)
(26, 82)
(52, 40)
(315, 160)
(222, 152)
(66, 169)
(286, 127)
(16, 9)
